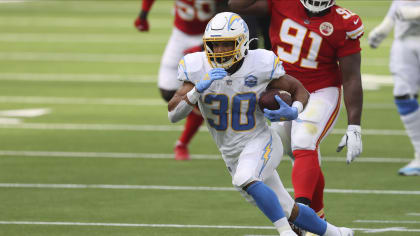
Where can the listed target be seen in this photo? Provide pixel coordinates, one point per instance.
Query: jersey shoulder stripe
(355, 34)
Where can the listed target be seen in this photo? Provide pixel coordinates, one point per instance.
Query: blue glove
(212, 75)
(285, 112)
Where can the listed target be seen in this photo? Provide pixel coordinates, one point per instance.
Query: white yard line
(80, 57)
(114, 58)
(157, 128)
(116, 155)
(125, 101)
(413, 214)
(12, 1)
(81, 100)
(56, 223)
(84, 38)
(136, 225)
(62, 77)
(191, 188)
(388, 221)
(78, 22)
(42, 77)
(383, 230)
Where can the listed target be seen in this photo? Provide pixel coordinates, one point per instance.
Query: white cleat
(412, 168)
(288, 233)
(310, 234)
(346, 231)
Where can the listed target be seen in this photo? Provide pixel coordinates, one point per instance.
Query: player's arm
(380, 32)
(408, 13)
(299, 94)
(180, 105)
(353, 99)
(187, 96)
(249, 7)
(293, 86)
(352, 87)
(141, 22)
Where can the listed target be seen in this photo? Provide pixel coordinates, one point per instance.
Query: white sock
(332, 230)
(282, 225)
(412, 125)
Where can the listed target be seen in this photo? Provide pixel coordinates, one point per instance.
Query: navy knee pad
(406, 104)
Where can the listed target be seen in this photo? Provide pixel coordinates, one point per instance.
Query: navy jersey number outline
(222, 111)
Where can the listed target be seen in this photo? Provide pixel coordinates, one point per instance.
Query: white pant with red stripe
(174, 51)
(313, 124)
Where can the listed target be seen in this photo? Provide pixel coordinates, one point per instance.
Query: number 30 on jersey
(222, 111)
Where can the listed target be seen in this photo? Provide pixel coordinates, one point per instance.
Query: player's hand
(375, 38)
(141, 24)
(353, 140)
(198, 48)
(285, 112)
(212, 75)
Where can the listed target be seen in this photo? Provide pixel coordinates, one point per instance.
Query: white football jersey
(230, 105)
(404, 28)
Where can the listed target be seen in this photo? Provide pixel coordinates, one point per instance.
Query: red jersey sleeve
(354, 30)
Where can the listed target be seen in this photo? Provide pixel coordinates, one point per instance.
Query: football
(268, 101)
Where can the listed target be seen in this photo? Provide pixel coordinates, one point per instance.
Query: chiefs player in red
(319, 45)
(191, 17)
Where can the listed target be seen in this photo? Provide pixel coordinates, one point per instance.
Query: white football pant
(258, 162)
(174, 51)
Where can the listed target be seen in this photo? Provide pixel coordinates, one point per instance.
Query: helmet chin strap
(250, 41)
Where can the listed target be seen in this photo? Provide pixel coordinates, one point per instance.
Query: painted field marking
(12, 1)
(19, 153)
(52, 77)
(80, 57)
(125, 101)
(113, 58)
(11, 116)
(81, 100)
(79, 22)
(157, 128)
(57, 223)
(83, 38)
(31, 112)
(388, 221)
(413, 214)
(382, 230)
(190, 188)
(369, 80)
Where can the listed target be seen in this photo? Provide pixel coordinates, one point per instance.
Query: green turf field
(86, 147)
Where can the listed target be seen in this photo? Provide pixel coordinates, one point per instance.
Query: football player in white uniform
(226, 81)
(404, 18)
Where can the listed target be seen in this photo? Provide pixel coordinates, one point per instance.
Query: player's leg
(168, 84)
(306, 218)
(256, 163)
(405, 67)
(192, 125)
(257, 178)
(316, 121)
(284, 129)
(317, 202)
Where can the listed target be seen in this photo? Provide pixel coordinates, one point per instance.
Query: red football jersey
(310, 47)
(192, 16)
